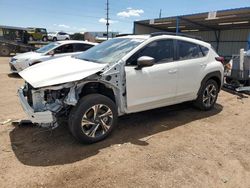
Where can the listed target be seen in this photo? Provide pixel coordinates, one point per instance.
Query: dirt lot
(176, 146)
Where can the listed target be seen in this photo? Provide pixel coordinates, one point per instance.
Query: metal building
(227, 30)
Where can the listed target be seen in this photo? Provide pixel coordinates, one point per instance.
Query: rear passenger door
(191, 61)
(79, 47)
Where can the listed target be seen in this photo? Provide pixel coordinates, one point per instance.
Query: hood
(60, 70)
(27, 55)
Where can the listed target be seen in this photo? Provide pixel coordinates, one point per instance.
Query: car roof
(166, 36)
(76, 41)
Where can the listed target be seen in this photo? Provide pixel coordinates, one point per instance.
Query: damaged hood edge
(60, 70)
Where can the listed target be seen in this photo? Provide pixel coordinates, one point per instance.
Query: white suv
(121, 76)
(55, 36)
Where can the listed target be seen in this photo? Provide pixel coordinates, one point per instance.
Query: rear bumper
(35, 117)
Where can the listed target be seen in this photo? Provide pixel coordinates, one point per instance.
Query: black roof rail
(175, 34)
(122, 35)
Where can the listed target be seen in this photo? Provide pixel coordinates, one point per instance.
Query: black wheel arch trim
(216, 75)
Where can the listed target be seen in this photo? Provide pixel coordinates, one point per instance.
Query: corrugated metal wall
(230, 41)
(141, 29)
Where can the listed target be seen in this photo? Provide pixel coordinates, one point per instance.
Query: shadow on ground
(39, 147)
(14, 75)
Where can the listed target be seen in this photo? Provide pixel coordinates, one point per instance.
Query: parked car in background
(50, 51)
(121, 76)
(37, 34)
(55, 36)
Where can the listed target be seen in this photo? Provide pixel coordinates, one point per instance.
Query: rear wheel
(93, 118)
(44, 39)
(4, 51)
(207, 96)
(54, 39)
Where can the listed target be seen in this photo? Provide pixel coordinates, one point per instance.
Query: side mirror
(144, 61)
(52, 52)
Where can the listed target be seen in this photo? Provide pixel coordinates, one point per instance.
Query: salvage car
(50, 51)
(121, 76)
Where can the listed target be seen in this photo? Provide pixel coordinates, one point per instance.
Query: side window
(188, 50)
(67, 48)
(204, 50)
(162, 51)
(43, 30)
(81, 47)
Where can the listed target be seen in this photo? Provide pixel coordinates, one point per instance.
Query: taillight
(220, 59)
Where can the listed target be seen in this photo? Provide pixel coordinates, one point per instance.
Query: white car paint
(24, 60)
(170, 83)
(145, 89)
(58, 36)
(61, 70)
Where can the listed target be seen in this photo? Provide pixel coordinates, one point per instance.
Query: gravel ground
(176, 146)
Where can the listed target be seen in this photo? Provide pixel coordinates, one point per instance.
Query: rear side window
(162, 51)
(188, 50)
(204, 50)
(81, 47)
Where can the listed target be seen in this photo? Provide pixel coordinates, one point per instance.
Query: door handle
(172, 71)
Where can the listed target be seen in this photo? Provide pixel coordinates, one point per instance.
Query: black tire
(85, 107)
(44, 39)
(4, 51)
(67, 39)
(54, 39)
(206, 100)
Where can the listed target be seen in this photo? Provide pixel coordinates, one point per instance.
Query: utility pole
(160, 14)
(107, 23)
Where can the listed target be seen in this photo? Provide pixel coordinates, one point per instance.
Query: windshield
(48, 47)
(110, 51)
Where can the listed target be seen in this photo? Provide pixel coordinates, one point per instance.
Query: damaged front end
(45, 105)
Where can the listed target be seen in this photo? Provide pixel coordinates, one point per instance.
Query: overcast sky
(89, 15)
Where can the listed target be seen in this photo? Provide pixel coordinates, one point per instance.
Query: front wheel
(207, 96)
(93, 118)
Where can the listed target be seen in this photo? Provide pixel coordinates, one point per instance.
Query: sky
(90, 15)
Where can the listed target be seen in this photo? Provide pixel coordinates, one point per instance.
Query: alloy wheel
(97, 120)
(209, 95)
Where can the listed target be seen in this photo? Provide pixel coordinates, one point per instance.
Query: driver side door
(154, 86)
(61, 51)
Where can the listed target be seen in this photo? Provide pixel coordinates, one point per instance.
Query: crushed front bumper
(35, 117)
